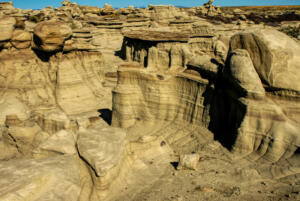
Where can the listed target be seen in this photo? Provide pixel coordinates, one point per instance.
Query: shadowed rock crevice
(106, 115)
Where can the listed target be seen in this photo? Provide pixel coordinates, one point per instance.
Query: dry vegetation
(261, 8)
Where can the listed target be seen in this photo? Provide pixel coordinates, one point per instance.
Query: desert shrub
(73, 25)
(34, 18)
(291, 31)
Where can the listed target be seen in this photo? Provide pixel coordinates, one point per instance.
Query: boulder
(275, 56)
(262, 112)
(21, 39)
(53, 178)
(243, 75)
(189, 161)
(50, 36)
(6, 5)
(107, 9)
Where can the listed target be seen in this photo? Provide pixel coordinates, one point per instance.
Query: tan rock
(7, 25)
(90, 9)
(104, 151)
(55, 178)
(243, 74)
(13, 106)
(79, 87)
(62, 142)
(277, 69)
(267, 128)
(21, 39)
(157, 36)
(107, 9)
(6, 5)
(12, 120)
(32, 81)
(189, 161)
(22, 136)
(50, 36)
(54, 120)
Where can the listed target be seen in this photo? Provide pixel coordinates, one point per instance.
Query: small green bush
(291, 31)
(34, 18)
(73, 25)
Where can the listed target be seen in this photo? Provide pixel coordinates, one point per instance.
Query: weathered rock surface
(104, 151)
(6, 5)
(275, 57)
(244, 76)
(62, 142)
(50, 36)
(22, 137)
(21, 39)
(55, 178)
(78, 81)
(192, 77)
(13, 106)
(260, 122)
(7, 26)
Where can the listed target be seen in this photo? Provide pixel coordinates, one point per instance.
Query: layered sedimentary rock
(21, 39)
(254, 114)
(170, 98)
(266, 109)
(53, 178)
(179, 90)
(50, 36)
(78, 81)
(275, 61)
(161, 51)
(104, 151)
(7, 26)
(25, 76)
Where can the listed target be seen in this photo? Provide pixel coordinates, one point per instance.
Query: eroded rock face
(55, 178)
(243, 74)
(266, 126)
(21, 39)
(275, 57)
(6, 5)
(78, 81)
(161, 50)
(178, 91)
(50, 36)
(7, 26)
(104, 151)
(171, 98)
(13, 106)
(253, 111)
(31, 83)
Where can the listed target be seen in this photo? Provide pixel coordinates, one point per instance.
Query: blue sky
(38, 4)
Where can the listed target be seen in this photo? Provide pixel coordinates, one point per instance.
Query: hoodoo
(155, 103)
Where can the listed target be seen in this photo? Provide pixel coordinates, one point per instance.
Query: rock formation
(160, 103)
(50, 36)
(273, 101)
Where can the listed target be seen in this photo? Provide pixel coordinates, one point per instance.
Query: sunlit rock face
(50, 36)
(168, 97)
(239, 102)
(168, 81)
(266, 112)
(7, 26)
(161, 103)
(161, 50)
